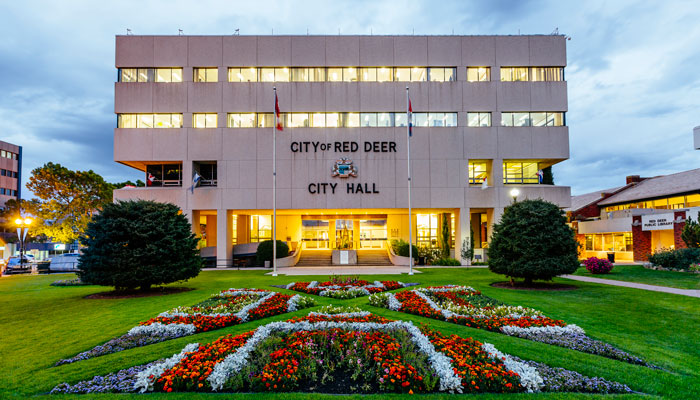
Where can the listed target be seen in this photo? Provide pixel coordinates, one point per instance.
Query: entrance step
(373, 257)
(313, 258)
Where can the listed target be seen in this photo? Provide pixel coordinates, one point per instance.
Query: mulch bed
(157, 291)
(544, 286)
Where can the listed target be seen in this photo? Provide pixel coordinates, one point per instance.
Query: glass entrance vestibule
(346, 232)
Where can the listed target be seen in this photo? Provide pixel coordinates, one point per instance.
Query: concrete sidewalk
(653, 288)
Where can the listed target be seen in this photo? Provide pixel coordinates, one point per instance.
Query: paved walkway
(349, 270)
(653, 288)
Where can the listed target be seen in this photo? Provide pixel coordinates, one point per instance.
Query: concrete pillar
(678, 229)
(641, 240)
(462, 234)
(224, 248)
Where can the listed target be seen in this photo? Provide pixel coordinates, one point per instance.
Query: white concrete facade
(439, 156)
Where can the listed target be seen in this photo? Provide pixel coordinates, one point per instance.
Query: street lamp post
(514, 194)
(22, 229)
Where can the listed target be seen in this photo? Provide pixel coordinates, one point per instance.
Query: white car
(64, 263)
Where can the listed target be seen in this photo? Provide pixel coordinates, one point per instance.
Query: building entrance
(314, 234)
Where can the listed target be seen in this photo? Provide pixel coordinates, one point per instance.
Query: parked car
(67, 262)
(15, 266)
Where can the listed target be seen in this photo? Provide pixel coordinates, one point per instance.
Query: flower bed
(229, 307)
(345, 288)
(335, 353)
(466, 306)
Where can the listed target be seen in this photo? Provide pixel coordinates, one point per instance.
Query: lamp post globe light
(22, 229)
(514, 194)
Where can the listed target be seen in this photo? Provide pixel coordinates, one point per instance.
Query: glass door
(372, 234)
(344, 234)
(314, 234)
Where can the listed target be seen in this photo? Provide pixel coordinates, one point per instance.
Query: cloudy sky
(633, 69)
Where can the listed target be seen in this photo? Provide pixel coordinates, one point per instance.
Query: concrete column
(462, 233)
(494, 216)
(224, 249)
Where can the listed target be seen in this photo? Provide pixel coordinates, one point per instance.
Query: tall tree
(67, 200)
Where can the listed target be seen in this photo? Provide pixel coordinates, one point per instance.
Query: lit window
(267, 74)
(547, 74)
(206, 74)
(402, 74)
(436, 119)
(368, 120)
(128, 75)
(145, 121)
(520, 172)
(260, 228)
(332, 120)
(400, 119)
(204, 120)
(420, 119)
(478, 171)
(385, 119)
(479, 119)
(163, 175)
(303, 74)
(241, 120)
(318, 120)
(149, 121)
(246, 74)
(350, 120)
(532, 119)
(145, 74)
(300, 74)
(538, 118)
(478, 74)
(368, 74)
(298, 120)
(385, 74)
(282, 74)
(350, 74)
(267, 120)
(437, 74)
(419, 74)
(555, 119)
(514, 74)
(126, 121)
(426, 230)
(335, 74)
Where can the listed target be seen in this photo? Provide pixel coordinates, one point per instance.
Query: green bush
(691, 232)
(400, 248)
(446, 261)
(675, 259)
(132, 244)
(532, 241)
(264, 252)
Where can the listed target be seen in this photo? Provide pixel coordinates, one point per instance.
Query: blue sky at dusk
(633, 69)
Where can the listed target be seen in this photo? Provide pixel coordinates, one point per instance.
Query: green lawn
(639, 274)
(41, 324)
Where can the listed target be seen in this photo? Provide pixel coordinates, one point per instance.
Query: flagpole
(408, 150)
(274, 188)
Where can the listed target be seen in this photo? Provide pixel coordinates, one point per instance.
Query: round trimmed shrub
(596, 265)
(264, 252)
(532, 241)
(446, 261)
(136, 244)
(402, 250)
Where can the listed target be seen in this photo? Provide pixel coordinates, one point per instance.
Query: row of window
(514, 172)
(8, 154)
(8, 192)
(340, 120)
(669, 203)
(609, 242)
(341, 74)
(7, 172)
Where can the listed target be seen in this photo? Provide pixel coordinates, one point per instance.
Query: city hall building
(489, 113)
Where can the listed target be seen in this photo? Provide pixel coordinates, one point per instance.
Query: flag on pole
(540, 175)
(149, 179)
(278, 120)
(195, 181)
(409, 116)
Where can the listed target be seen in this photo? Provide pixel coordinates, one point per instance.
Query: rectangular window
(145, 75)
(420, 119)
(335, 74)
(149, 121)
(128, 75)
(164, 175)
(400, 119)
(260, 228)
(298, 120)
(427, 230)
(442, 74)
(402, 74)
(241, 120)
(514, 74)
(538, 118)
(267, 74)
(478, 74)
(318, 120)
(202, 74)
(436, 119)
(144, 121)
(477, 172)
(300, 74)
(419, 74)
(350, 120)
(479, 119)
(246, 74)
(350, 74)
(332, 120)
(549, 74)
(520, 172)
(204, 120)
(555, 119)
(207, 172)
(368, 74)
(385, 119)
(385, 74)
(126, 121)
(368, 120)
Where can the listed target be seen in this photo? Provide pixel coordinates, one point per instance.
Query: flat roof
(658, 186)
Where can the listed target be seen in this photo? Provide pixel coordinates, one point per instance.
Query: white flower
(243, 314)
(290, 285)
(530, 379)
(144, 379)
(392, 302)
(164, 329)
(512, 330)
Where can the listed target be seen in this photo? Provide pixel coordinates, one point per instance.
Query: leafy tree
(264, 252)
(119, 185)
(132, 244)
(14, 209)
(468, 246)
(532, 241)
(445, 236)
(547, 176)
(67, 200)
(691, 232)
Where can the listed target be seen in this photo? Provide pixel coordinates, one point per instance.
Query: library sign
(343, 167)
(657, 222)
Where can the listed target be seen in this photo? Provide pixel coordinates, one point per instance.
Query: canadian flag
(149, 179)
(410, 118)
(278, 120)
